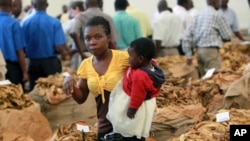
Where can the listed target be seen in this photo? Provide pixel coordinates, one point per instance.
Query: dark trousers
(42, 68)
(180, 49)
(14, 73)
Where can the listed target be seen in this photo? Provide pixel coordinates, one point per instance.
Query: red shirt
(138, 85)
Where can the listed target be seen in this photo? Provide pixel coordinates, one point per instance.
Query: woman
(99, 73)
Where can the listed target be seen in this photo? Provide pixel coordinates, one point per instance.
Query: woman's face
(96, 40)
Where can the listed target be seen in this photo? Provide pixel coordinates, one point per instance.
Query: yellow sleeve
(124, 59)
(117, 69)
(83, 68)
(122, 62)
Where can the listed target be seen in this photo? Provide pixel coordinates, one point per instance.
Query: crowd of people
(105, 49)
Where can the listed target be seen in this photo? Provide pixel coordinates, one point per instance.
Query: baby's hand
(130, 115)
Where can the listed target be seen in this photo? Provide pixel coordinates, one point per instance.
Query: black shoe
(113, 137)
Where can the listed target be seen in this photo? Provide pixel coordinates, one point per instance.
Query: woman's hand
(68, 85)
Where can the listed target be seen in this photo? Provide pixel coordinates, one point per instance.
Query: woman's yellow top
(96, 83)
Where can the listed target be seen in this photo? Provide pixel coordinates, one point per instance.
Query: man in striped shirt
(207, 31)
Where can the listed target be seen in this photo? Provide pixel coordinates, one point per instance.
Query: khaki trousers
(165, 51)
(208, 58)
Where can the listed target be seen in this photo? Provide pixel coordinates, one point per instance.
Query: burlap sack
(172, 121)
(224, 80)
(173, 128)
(15, 137)
(185, 71)
(35, 107)
(238, 94)
(172, 112)
(66, 111)
(150, 139)
(215, 104)
(23, 122)
(181, 70)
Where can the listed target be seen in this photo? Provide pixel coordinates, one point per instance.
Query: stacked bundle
(51, 88)
(69, 132)
(216, 131)
(12, 97)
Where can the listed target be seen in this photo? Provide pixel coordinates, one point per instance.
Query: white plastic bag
(117, 114)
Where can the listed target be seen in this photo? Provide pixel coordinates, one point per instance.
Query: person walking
(45, 40)
(231, 18)
(181, 10)
(76, 7)
(127, 26)
(99, 73)
(207, 31)
(12, 45)
(166, 31)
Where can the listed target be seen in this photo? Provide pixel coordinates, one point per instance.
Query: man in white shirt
(231, 18)
(181, 10)
(166, 30)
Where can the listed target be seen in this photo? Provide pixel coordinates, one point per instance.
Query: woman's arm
(79, 91)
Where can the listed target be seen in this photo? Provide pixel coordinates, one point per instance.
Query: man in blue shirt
(12, 45)
(45, 39)
(128, 27)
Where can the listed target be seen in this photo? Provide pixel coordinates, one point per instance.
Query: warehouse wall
(149, 6)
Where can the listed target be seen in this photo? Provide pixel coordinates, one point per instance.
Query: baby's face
(135, 61)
